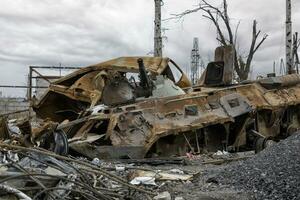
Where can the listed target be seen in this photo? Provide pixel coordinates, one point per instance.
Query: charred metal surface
(4, 132)
(118, 116)
(118, 91)
(280, 81)
(212, 119)
(142, 124)
(84, 88)
(219, 72)
(106, 152)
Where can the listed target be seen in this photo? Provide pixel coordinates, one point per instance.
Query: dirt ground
(271, 174)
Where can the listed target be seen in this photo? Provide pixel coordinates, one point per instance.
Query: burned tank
(115, 82)
(163, 117)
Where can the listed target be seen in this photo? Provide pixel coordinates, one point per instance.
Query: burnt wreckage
(141, 107)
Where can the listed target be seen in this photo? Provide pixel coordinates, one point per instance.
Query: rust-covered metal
(66, 97)
(216, 117)
(4, 132)
(154, 116)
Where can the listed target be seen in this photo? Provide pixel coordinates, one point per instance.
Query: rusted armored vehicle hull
(166, 119)
(232, 118)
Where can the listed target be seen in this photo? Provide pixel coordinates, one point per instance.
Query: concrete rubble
(135, 128)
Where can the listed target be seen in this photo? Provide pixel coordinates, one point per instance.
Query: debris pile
(33, 173)
(39, 174)
(272, 174)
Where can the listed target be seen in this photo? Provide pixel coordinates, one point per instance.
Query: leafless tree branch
(213, 13)
(260, 43)
(235, 33)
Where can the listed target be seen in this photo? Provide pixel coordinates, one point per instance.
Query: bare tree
(295, 56)
(221, 20)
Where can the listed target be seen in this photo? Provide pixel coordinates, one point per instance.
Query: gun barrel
(144, 80)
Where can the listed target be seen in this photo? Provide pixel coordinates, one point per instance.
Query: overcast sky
(84, 32)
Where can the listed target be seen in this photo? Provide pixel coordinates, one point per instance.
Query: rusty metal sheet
(109, 152)
(235, 104)
(4, 132)
(84, 87)
(162, 117)
(155, 65)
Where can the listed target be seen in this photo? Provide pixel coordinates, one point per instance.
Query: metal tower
(157, 29)
(282, 67)
(288, 42)
(195, 62)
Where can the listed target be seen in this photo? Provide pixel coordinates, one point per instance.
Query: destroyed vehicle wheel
(60, 143)
(56, 141)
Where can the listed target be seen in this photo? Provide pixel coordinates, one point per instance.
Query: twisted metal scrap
(93, 169)
(14, 191)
